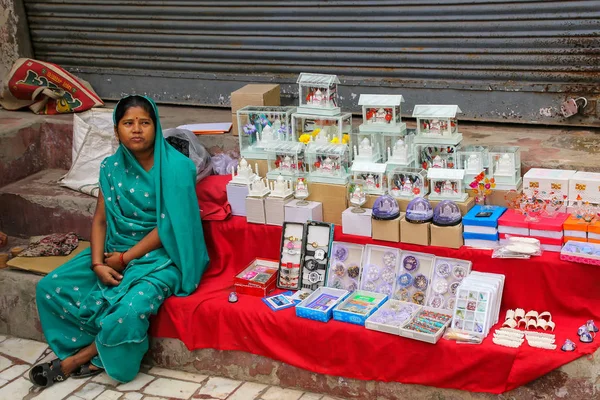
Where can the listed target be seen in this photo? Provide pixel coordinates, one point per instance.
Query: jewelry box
(413, 277)
(581, 252)
(391, 316)
(258, 278)
(427, 325)
(345, 265)
(448, 273)
(319, 304)
(316, 252)
(358, 306)
(379, 269)
(290, 259)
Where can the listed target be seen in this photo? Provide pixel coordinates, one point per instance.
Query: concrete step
(18, 317)
(37, 205)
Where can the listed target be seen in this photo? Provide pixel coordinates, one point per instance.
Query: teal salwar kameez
(76, 309)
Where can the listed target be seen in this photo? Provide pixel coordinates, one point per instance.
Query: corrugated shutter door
(498, 60)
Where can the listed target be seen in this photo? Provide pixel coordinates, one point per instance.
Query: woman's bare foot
(83, 356)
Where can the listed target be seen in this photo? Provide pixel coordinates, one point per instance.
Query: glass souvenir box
(318, 94)
(407, 183)
(328, 163)
(286, 159)
(474, 160)
(399, 150)
(430, 156)
(446, 184)
(437, 124)
(322, 129)
(259, 126)
(367, 146)
(381, 113)
(373, 174)
(505, 167)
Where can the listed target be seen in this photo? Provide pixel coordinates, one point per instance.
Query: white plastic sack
(93, 140)
(186, 142)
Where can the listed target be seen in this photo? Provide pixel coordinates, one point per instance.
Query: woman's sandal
(85, 372)
(47, 374)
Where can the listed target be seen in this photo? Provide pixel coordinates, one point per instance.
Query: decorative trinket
(569, 345)
(233, 298)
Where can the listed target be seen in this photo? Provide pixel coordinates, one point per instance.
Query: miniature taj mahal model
(447, 184)
(281, 188)
(245, 175)
(258, 187)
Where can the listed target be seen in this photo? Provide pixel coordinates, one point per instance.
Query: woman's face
(136, 131)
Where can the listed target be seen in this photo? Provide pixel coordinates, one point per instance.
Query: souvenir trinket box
(379, 269)
(236, 196)
(575, 229)
(483, 220)
(381, 113)
(367, 147)
(319, 304)
(345, 265)
(280, 301)
(505, 167)
(474, 160)
(316, 254)
(430, 156)
(373, 174)
(391, 316)
(594, 232)
(358, 306)
(357, 223)
(407, 183)
(261, 125)
(446, 184)
(258, 278)
(400, 150)
(585, 186)
(413, 277)
(448, 273)
(328, 163)
(437, 124)
(446, 213)
(427, 325)
(287, 159)
(318, 94)
(319, 129)
(580, 252)
(385, 208)
(513, 222)
(548, 183)
(419, 211)
(549, 231)
(291, 256)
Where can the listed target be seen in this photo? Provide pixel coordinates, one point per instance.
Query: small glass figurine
(233, 298)
(357, 194)
(301, 192)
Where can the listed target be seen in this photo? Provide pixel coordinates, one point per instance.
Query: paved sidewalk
(18, 355)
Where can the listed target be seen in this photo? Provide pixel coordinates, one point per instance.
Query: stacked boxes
(481, 227)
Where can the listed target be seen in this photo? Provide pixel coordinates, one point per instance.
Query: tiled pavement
(17, 356)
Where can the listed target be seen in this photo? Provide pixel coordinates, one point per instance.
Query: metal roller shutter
(499, 60)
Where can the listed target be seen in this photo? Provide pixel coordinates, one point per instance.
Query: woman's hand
(108, 275)
(113, 260)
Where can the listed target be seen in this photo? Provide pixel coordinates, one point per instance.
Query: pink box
(513, 223)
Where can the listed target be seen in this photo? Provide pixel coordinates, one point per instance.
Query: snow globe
(385, 208)
(419, 211)
(446, 213)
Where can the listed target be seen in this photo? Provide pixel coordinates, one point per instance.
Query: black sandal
(85, 372)
(47, 374)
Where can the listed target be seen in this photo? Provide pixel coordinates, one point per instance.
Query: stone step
(37, 205)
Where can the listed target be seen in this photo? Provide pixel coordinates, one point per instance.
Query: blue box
(368, 299)
(319, 305)
(491, 221)
(481, 236)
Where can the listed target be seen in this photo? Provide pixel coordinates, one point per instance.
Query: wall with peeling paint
(14, 36)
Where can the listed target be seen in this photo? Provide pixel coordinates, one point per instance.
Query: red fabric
(206, 320)
(212, 198)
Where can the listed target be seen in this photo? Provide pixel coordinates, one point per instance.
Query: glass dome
(386, 207)
(446, 213)
(419, 210)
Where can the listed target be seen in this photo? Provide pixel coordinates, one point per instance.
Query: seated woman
(147, 244)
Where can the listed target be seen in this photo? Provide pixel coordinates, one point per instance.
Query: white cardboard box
(357, 223)
(255, 210)
(313, 211)
(275, 210)
(236, 195)
(586, 184)
(547, 181)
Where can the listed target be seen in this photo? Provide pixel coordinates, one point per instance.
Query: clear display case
(381, 113)
(373, 175)
(258, 126)
(322, 129)
(286, 159)
(429, 156)
(367, 146)
(318, 94)
(437, 124)
(399, 150)
(474, 160)
(407, 183)
(505, 166)
(328, 163)
(446, 184)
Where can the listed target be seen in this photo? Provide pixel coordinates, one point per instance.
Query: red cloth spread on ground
(206, 319)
